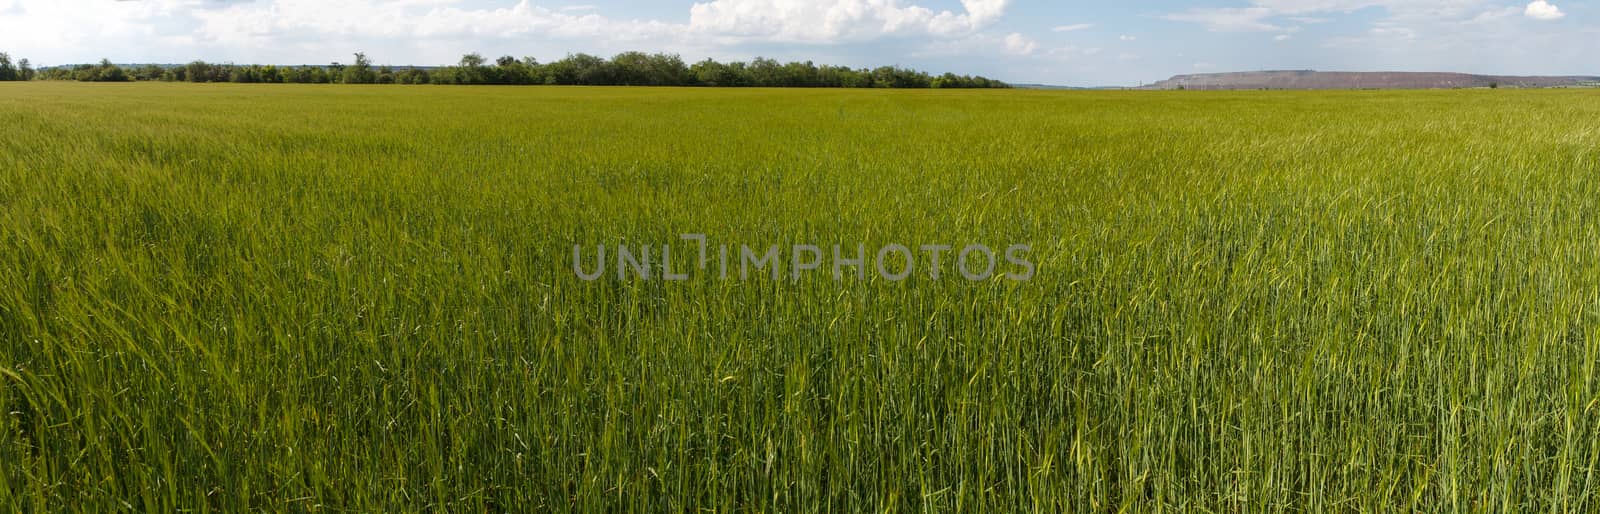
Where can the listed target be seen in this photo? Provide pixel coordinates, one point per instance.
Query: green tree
(591, 70)
(243, 75)
(641, 69)
(799, 74)
(536, 73)
(360, 72)
(148, 72)
(7, 71)
(713, 73)
(471, 70)
(108, 72)
(765, 72)
(198, 71)
(631, 69)
(627, 68)
(508, 70)
(411, 76)
(271, 74)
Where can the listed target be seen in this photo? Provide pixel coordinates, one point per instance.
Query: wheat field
(296, 298)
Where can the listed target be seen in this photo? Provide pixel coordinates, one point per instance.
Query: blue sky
(1060, 42)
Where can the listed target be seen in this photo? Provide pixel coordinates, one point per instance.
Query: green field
(345, 298)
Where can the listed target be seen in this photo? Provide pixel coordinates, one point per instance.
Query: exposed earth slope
(1307, 79)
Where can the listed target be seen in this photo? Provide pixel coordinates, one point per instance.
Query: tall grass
(303, 298)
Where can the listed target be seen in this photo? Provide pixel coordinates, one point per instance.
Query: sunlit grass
(332, 298)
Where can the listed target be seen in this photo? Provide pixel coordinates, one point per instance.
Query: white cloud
(1394, 32)
(982, 45)
(1270, 15)
(1493, 16)
(1229, 19)
(1487, 36)
(425, 19)
(1017, 44)
(1302, 8)
(1070, 53)
(34, 25)
(1544, 11)
(827, 21)
(298, 31)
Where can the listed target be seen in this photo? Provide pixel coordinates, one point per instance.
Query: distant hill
(1309, 79)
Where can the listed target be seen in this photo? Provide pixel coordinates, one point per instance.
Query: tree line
(625, 69)
(22, 70)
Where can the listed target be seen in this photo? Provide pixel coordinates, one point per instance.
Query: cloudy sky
(1071, 42)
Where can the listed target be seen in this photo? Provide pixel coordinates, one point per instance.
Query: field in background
(326, 298)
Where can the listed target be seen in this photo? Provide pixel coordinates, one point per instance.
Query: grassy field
(346, 298)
